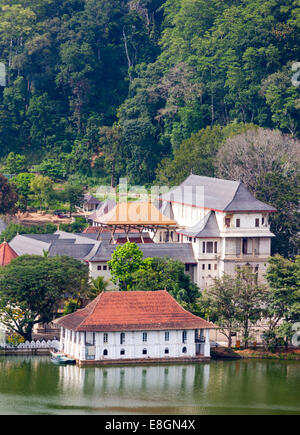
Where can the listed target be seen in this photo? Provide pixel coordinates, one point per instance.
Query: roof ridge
(234, 196)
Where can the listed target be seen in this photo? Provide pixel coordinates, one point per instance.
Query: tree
(222, 305)
(22, 182)
(8, 196)
(268, 163)
(26, 302)
(15, 163)
(237, 302)
(251, 298)
(111, 146)
(249, 156)
(125, 260)
(73, 195)
(197, 154)
(283, 305)
(98, 285)
(165, 273)
(42, 189)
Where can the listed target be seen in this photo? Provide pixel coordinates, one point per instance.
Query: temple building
(226, 225)
(137, 326)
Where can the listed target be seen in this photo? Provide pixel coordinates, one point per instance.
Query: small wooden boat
(61, 358)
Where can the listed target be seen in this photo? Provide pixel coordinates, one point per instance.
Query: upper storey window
(257, 222)
(238, 223)
(227, 222)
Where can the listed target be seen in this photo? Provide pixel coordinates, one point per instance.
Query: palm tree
(98, 285)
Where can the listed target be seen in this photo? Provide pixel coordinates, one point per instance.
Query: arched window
(166, 350)
(122, 352)
(184, 349)
(144, 351)
(105, 352)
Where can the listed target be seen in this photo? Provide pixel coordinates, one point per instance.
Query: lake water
(34, 385)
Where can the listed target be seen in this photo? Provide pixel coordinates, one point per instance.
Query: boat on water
(61, 358)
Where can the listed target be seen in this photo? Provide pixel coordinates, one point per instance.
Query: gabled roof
(206, 228)
(86, 247)
(215, 194)
(89, 199)
(132, 311)
(7, 254)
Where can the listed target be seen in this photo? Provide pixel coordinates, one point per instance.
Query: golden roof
(135, 213)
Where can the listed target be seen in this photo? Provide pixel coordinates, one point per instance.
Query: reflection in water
(32, 385)
(151, 380)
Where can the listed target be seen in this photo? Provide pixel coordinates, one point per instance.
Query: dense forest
(108, 88)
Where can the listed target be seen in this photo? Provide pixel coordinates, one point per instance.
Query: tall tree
(26, 302)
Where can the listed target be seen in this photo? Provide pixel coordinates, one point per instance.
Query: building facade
(226, 225)
(134, 326)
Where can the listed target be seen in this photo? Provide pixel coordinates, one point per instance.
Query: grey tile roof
(177, 251)
(215, 194)
(22, 244)
(88, 249)
(207, 227)
(78, 251)
(89, 199)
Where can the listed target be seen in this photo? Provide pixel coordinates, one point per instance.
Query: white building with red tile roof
(134, 326)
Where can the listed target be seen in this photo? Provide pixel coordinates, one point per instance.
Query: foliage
(98, 285)
(73, 195)
(13, 229)
(152, 72)
(197, 154)
(8, 196)
(125, 260)
(166, 274)
(42, 190)
(22, 182)
(23, 303)
(237, 302)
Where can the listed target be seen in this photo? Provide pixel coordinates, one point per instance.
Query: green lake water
(34, 385)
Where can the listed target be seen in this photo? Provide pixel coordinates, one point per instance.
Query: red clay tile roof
(6, 254)
(132, 311)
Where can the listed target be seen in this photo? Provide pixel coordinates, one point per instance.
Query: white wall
(73, 344)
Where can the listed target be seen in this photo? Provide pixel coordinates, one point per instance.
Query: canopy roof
(135, 214)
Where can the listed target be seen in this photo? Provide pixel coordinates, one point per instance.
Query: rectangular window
(227, 222)
(209, 247)
(184, 336)
(187, 267)
(144, 336)
(203, 266)
(90, 338)
(262, 221)
(238, 223)
(167, 335)
(209, 267)
(105, 337)
(104, 267)
(216, 247)
(99, 267)
(257, 222)
(122, 337)
(203, 247)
